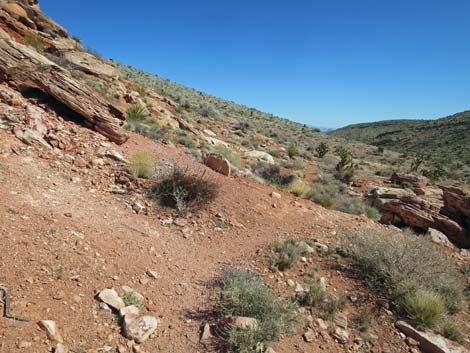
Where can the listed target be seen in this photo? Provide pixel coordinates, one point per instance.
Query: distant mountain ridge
(445, 141)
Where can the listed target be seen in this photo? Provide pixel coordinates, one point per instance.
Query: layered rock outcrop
(423, 206)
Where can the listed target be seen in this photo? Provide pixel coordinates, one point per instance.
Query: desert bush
(292, 151)
(424, 308)
(356, 206)
(137, 113)
(322, 149)
(315, 296)
(185, 191)
(242, 293)
(272, 173)
(345, 167)
(401, 264)
(323, 200)
(295, 164)
(142, 165)
(298, 188)
(362, 320)
(285, 254)
(332, 306)
(186, 141)
(451, 330)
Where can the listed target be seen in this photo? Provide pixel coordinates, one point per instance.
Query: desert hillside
(138, 215)
(442, 141)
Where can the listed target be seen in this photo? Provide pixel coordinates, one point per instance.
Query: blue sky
(325, 63)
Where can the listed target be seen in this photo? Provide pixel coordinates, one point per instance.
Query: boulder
(415, 179)
(218, 163)
(430, 342)
(18, 12)
(438, 237)
(457, 205)
(260, 156)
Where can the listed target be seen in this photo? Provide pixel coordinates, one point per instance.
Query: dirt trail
(62, 241)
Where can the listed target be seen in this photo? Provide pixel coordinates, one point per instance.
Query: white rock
(260, 155)
(140, 328)
(129, 310)
(111, 298)
(430, 342)
(51, 330)
(244, 323)
(60, 348)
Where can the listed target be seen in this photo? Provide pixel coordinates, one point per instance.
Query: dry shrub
(185, 191)
(285, 254)
(243, 293)
(142, 165)
(411, 271)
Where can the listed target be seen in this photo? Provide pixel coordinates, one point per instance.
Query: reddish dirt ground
(63, 239)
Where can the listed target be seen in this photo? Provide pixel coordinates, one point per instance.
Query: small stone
(60, 348)
(180, 222)
(51, 330)
(269, 350)
(309, 336)
(341, 320)
(129, 310)
(341, 335)
(290, 283)
(140, 328)
(321, 324)
(24, 345)
(411, 342)
(244, 323)
(152, 274)
(206, 333)
(138, 207)
(275, 195)
(110, 297)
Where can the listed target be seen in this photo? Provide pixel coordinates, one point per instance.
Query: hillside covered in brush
(443, 141)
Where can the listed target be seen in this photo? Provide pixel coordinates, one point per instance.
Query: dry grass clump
(411, 271)
(185, 191)
(142, 165)
(285, 254)
(242, 293)
(298, 188)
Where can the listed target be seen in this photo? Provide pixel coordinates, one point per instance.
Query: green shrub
(362, 320)
(402, 264)
(142, 165)
(322, 149)
(451, 330)
(186, 141)
(137, 113)
(185, 191)
(424, 308)
(285, 254)
(242, 293)
(324, 200)
(272, 173)
(293, 151)
(315, 296)
(372, 213)
(332, 306)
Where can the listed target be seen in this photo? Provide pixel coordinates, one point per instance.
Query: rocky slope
(79, 235)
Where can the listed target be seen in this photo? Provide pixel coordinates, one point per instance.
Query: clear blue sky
(326, 63)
